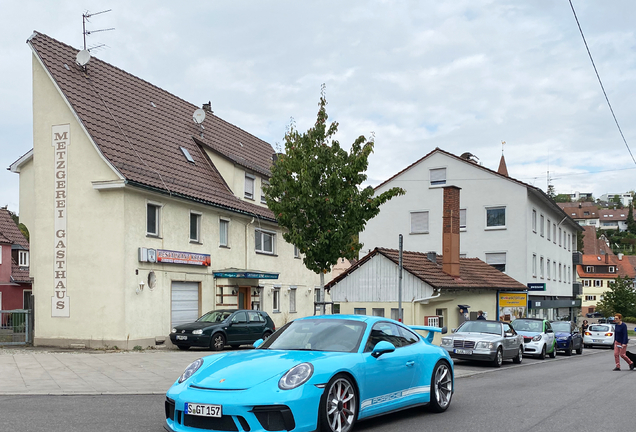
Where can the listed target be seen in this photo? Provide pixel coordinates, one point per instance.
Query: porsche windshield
(318, 335)
(214, 316)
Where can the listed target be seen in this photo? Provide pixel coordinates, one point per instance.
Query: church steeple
(503, 170)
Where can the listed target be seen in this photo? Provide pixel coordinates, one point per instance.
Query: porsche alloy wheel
(339, 408)
(441, 387)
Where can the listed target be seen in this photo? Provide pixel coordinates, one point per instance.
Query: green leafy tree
(631, 223)
(621, 298)
(23, 229)
(315, 194)
(562, 198)
(550, 192)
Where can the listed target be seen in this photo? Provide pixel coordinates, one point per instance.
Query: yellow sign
(513, 299)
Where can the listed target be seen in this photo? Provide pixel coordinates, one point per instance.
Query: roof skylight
(187, 155)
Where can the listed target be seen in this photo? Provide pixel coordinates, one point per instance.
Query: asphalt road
(578, 393)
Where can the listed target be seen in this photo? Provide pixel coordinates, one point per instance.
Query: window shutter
(438, 176)
(419, 222)
(495, 258)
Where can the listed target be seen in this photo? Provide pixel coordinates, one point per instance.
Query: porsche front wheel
(441, 387)
(339, 405)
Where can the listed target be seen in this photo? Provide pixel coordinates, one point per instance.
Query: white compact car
(599, 335)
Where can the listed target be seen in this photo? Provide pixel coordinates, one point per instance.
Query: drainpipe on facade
(423, 299)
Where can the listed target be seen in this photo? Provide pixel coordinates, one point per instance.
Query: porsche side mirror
(382, 347)
(258, 343)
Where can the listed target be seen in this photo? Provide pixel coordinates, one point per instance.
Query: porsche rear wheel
(339, 405)
(217, 343)
(441, 387)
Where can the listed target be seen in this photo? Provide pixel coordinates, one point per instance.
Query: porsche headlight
(190, 370)
(174, 330)
(296, 376)
(447, 341)
(537, 338)
(197, 331)
(484, 345)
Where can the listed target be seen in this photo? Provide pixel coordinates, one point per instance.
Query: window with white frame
(548, 229)
(612, 269)
(590, 298)
(589, 269)
(263, 183)
(292, 299)
(23, 258)
(276, 299)
(569, 242)
(153, 219)
(559, 272)
(377, 312)
(586, 283)
(419, 222)
(462, 219)
(249, 186)
(598, 283)
(541, 226)
(541, 273)
(195, 227)
(548, 268)
(534, 221)
(554, 268)
(497, 260)
(359, 311)
(395, 314)
(534, 265)
(554, 233)
(569, 274)
(559, 236)
(496, 217)
(438, 176)
(224, 228)
(264, 241)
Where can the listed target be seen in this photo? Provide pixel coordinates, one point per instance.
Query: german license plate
(597, 340)
(203, 410)
(463, 351)
(179, 337)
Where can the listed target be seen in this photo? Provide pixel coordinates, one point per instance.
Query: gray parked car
(491, 341)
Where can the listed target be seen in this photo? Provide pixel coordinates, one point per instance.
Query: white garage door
(185, 302)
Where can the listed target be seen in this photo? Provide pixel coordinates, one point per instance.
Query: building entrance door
(244, 297)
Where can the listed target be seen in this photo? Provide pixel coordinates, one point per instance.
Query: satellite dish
(198, 116)
(83, 57)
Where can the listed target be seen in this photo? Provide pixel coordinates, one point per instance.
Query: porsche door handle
(410, 363)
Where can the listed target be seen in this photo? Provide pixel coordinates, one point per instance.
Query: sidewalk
(55, 371)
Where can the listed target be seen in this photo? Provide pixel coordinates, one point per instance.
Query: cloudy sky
(459, 75)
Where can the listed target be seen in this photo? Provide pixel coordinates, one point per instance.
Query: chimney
(450, 226)
(620, 256)
(207, 107)
(606, 258)
(432, 256)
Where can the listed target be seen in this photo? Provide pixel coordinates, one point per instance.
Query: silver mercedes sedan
(491, 341)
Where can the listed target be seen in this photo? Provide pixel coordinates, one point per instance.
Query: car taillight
(588, 334)
(609, 334)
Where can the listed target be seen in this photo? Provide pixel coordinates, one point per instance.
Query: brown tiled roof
(139, 128)
(593, 245)
(473, 272)
(611, 214)
(582, 213)
(10, 231)
(577, 204)
(624, 267)
(20, 274)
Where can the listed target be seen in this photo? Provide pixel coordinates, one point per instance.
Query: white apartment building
(509, 224)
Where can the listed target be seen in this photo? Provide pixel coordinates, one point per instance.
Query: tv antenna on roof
(84, 56)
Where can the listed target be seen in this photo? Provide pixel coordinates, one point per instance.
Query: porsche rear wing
(431, 331)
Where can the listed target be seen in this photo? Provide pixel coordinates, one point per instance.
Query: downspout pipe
(423, 299)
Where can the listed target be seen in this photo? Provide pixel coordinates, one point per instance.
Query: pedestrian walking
(584, 327)
(620, 343)
(480, 315)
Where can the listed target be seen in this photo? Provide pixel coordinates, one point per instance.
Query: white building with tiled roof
(140, 218)
(509, 224)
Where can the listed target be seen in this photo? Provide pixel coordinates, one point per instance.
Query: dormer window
(612, 269)
(589, 269)
(23, 258)
(249, 186)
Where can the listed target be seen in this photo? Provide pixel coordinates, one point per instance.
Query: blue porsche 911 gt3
(322, 372)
